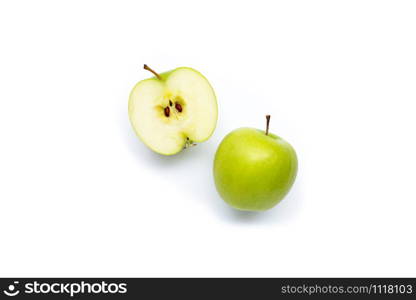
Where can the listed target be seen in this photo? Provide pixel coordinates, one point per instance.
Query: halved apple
(173, 110)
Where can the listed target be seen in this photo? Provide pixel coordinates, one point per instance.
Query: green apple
(254, 169)
(173, 110)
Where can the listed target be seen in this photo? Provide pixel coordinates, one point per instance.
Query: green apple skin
(254, 171)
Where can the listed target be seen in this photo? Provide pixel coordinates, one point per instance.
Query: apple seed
(167, 111)
(178, 107)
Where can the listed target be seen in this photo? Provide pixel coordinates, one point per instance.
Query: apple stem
(146, 67)
(267, 124)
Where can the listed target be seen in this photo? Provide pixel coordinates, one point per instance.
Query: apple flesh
(173, 110)
(254, 169)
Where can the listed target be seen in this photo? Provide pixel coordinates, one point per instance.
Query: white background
(80, 195)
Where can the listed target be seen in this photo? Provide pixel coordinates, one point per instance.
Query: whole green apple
(254, 169)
